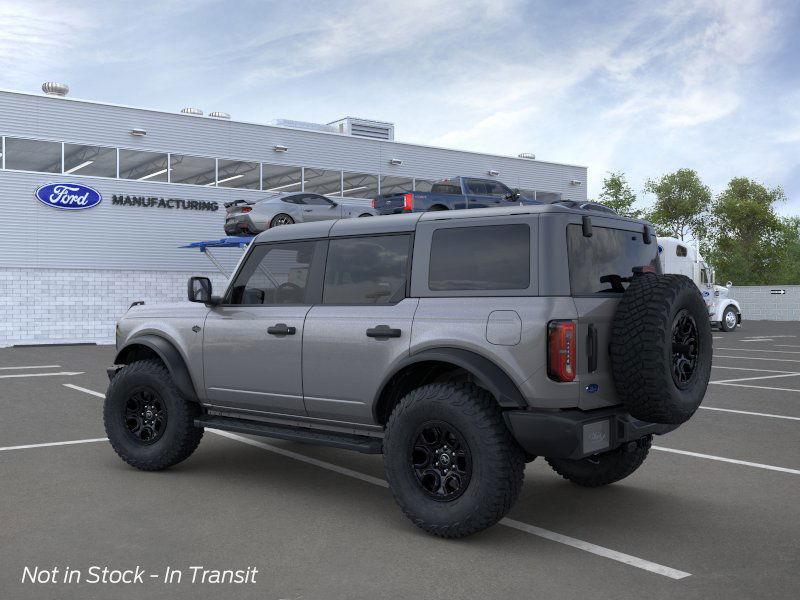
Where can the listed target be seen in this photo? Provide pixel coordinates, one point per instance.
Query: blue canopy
(226, 242)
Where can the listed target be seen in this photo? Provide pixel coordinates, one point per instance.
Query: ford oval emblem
(68, 196)
(592, 388)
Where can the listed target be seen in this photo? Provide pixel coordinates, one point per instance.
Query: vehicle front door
(252, 342)
(483, 193)
(319, 208)
(361, 328)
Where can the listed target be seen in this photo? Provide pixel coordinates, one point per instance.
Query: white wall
(759, 303)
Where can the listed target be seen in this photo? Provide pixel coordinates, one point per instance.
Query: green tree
(681, 204)
(617, 194)
(750, 244)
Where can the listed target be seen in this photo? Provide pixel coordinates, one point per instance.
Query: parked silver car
(246, 217)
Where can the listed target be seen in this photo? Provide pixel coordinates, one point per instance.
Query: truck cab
(681, 258)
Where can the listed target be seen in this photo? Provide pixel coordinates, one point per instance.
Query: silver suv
(458, 344)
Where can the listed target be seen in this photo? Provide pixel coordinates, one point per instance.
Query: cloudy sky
(641, 87)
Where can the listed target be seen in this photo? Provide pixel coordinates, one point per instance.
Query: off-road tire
(723, 325)
(498, 463)
(602, 469)
(180, 436)
(642, 348)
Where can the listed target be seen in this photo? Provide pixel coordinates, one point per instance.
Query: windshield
(604, 262)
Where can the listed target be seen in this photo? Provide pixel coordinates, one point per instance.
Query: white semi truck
(679, 257)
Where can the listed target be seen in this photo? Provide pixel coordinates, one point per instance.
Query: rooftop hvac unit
(377, 130)
(189, 110)
(303, 125)
(219, 115)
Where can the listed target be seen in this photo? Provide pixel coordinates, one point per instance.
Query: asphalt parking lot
(713, 512)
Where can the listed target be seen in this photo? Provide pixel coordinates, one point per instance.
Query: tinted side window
(294, 199)
(274, 274)
(315, 200)
(444, 187)
(367, 270)
(495, 188)
(492, 257)
(476, 186)
(604, 262)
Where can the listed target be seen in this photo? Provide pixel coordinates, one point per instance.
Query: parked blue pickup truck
(452, 194)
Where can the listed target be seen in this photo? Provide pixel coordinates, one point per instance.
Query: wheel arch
(154, 346)
(428, 365)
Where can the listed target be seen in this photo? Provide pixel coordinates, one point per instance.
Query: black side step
(359, 443)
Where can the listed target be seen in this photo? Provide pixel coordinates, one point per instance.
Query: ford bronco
(458, 344)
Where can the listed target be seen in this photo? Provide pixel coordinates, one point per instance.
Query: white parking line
(520, 526)
(84, 390)
(792, 360)
(786, 346)
(32, 367)
(758, 350)
(737, 369)
(754, 378)
(66, 373)
(747, 412)
(759, 387)
(48, 444)
(728, 460)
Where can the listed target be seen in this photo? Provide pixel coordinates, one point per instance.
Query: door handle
(383, 331)
(591, 348)
(281, 329)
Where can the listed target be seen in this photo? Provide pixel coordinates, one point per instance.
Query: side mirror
(199, 290)
(334, 204)
(729, 285)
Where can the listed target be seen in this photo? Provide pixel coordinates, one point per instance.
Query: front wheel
(149, 423)
(605, 468)
(729, 319)
(450, 460)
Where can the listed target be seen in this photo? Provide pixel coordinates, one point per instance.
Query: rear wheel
(365, 215)
(281, 219)
(149, 423)
(602, 469)
(452, 464)
(729, 319)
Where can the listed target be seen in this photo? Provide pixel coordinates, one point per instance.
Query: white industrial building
(67, 275)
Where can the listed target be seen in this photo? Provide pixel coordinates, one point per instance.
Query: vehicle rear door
(252, 342)
(319, 208)
(362, 326)
(600, 268)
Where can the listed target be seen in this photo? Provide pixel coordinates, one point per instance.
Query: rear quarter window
(491, 257)
(604, 262)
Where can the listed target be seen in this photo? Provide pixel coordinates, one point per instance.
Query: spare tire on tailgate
(661, 348)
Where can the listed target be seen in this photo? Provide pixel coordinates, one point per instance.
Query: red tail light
(408, 202)
(246, 209)
(561, 350)
(374, 202)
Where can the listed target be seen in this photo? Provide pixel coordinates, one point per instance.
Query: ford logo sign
(68, 196)
(592, 388)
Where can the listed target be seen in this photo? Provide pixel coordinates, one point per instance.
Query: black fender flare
(169, 355)
(494, 379)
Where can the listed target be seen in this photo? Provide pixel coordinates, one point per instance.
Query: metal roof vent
(527, 155)
(219, 115)
(192, 111)
(377, 130)
(51, 88)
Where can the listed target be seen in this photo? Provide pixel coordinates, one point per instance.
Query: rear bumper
(577, 434)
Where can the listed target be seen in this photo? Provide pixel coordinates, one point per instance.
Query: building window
(499, 258)
(360, 185)
(194, 170)
(144, 166)
(321, 181)
(280, 178)
(237, 174)
(96, 161)
(33, 155)
(366, 270)
(396, 185)
(424, 185)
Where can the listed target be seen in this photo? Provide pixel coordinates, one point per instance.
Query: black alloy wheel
(145, 416)
(282, 219)
(441, 461)
(685, 345)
